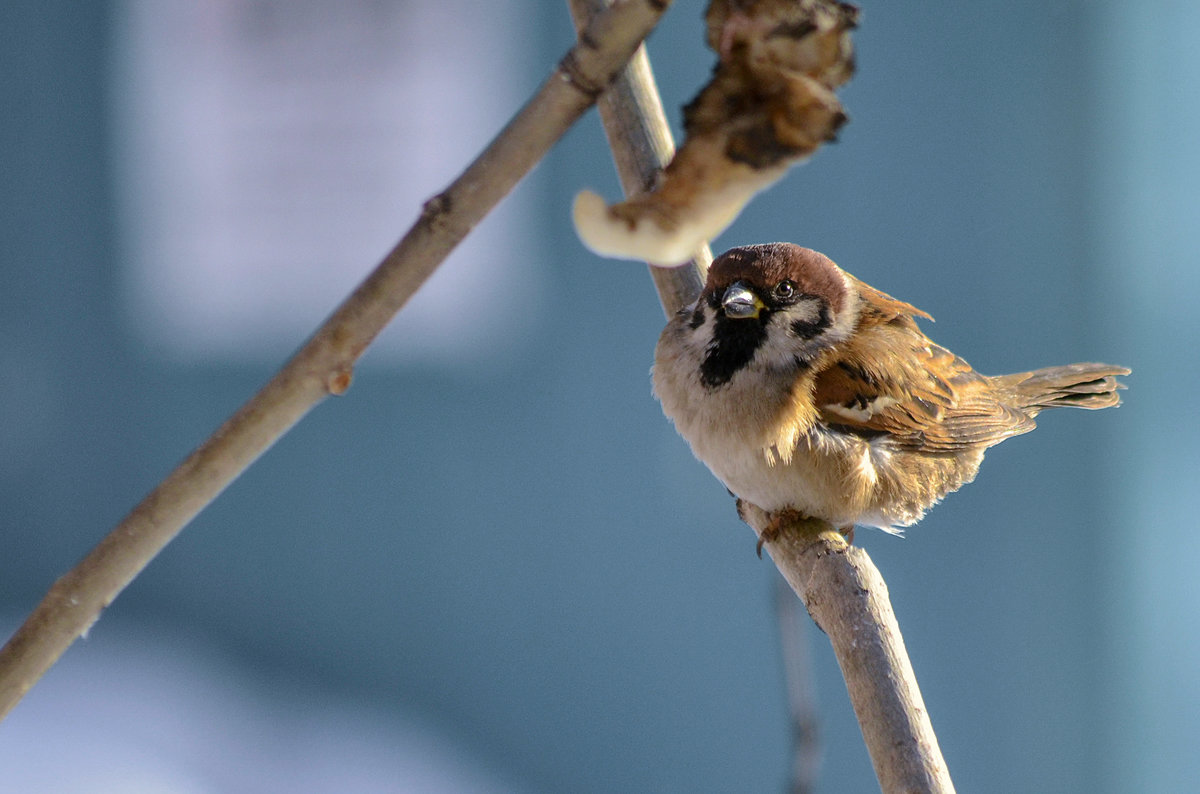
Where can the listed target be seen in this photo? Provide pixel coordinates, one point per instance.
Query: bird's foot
(779, 520)
(776, 522)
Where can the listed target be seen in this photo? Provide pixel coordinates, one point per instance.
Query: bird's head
(775, 305)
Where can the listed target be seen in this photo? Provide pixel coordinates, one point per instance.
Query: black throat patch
(733, 346)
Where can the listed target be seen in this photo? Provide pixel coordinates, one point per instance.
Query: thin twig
(325, 364)
(839, 585)
(801, 689)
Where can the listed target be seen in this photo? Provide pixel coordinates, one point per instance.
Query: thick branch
(324, 365)
(848, 599)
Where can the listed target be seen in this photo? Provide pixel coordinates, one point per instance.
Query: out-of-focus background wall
(493, 566)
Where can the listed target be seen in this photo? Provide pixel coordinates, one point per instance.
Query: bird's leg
(779, 519)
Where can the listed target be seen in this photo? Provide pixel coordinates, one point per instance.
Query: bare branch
(325, 364)
(848, 599)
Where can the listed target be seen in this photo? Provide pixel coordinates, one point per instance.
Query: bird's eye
(785, 290)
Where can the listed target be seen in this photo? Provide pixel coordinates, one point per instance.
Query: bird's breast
(759, 434)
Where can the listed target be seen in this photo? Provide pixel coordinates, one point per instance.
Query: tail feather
(1086, 385)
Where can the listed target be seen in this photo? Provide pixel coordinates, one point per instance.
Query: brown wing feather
(878, 307)
(894, 381)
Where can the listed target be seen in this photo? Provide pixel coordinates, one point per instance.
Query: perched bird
(808, 392)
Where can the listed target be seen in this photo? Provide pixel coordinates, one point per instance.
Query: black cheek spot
(806, 329)
(697, 319)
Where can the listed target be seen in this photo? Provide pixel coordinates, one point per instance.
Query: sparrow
(806, 391)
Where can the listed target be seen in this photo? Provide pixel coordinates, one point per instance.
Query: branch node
(339, 381)
(436, 207)
(576, 76)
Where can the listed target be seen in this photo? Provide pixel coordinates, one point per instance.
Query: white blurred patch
(270, 152)
(143, 710)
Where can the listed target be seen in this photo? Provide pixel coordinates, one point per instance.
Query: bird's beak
(740, 302)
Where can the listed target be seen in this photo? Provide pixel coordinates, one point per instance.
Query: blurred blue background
(497, 567)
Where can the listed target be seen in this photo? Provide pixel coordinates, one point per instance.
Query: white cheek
(783, 346)
(808, 310)
(780, 344)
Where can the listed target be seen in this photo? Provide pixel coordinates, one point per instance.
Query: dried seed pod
(769, 105)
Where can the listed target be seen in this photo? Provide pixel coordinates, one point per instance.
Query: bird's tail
(1086, 385)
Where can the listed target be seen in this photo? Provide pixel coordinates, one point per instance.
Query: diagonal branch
(324, 365)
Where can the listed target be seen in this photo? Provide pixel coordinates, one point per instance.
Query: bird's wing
(892, 381)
